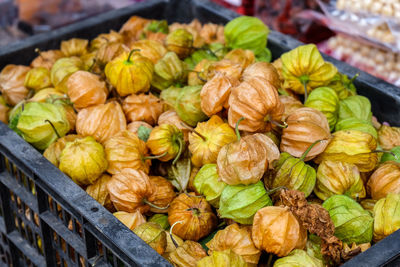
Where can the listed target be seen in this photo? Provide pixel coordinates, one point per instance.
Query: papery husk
(3, 110)
(170, 96)
(245, 161)
(368, 205)
(86, 89)
(325, 100)
(199, 75)
(130, 220)
(258, 102)
(12, 78)
(161, 219)
(291, 104)
(46, 93)
(393, 155)
(166, 140)
(339, 178)
(101, 121)
(134, 126)
(180, 41)
(74, 47)
(243, 57)
(61, 71)
(129, 189)
(171, 246)
(352, 146)
(108, 51)
(98, 191)
(298, 258)
(126, 150)
(153, 235)
(386, 216)
(143, 108)
(198, 219)
(305, 126)
(71, 116)
(384, 180)
(352, 222)
(89, 62)
(238, 239)
(216, 134)
(276, 230)
(171, 117)
(187, 254)
(343, 86)
(241, 202)
(224, 66)
(353, 123)
(105, 38)
(264, 70)
(130, 73)
(293, 173)
(168, 71)
(153, 50)
(206, 183)
(193, 28)
(212, 33)
(306, 61)
(188, 105)
(46, 59)
(355, 106)
(163, 193)
(223, 258)
(37, 79)
(388, 137)
(133, 27)
(83, 160)
(215, 93)
(40, 124)
(53, 152)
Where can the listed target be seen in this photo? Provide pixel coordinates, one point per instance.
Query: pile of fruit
(208, 152)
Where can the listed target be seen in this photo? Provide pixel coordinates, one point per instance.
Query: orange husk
(143, 108)
(384, 180)
(12, 79)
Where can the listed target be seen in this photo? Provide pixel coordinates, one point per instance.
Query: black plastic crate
(46, 219)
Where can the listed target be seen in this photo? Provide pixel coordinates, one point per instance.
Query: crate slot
(25, 248)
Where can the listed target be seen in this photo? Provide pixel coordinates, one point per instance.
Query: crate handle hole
(94, 209)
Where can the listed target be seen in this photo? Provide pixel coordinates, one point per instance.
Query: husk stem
(237, 128)
(54, 128)
(194, 131)
(304, 80)
(170, 233)
(388, 152)
(145, 201)
(273, 190)
(130, 54)
(179, 152)
(268, 119)
(155, 157)
(354, 77)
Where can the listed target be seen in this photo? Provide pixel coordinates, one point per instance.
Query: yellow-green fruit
(386, 216)
(61, 71)
(298, 258)
(226, 258)
(37, 79)
(338, 178)
(180, 41)
(83, 160)
(166, 140)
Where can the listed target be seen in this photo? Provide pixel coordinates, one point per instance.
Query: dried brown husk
(245, 161)
(12, 79)
(195, 214)
(131, 220)
(163, 194)
(389, 137)
(126, 150)
(384, 180)
(215, 93)
(86, 89)
(187, 254)
(291, 105)
(101, 121)
(305, 126)
(258, 102)
(238, 239)
(143, 108)
(171, 117)
(74, 47)
(212, 33)
(129, 189)
(98, 191)
(276, 230)
(46, 59)
(263, 69)
(53, 152)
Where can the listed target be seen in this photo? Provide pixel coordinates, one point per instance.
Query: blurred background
(363, 33)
